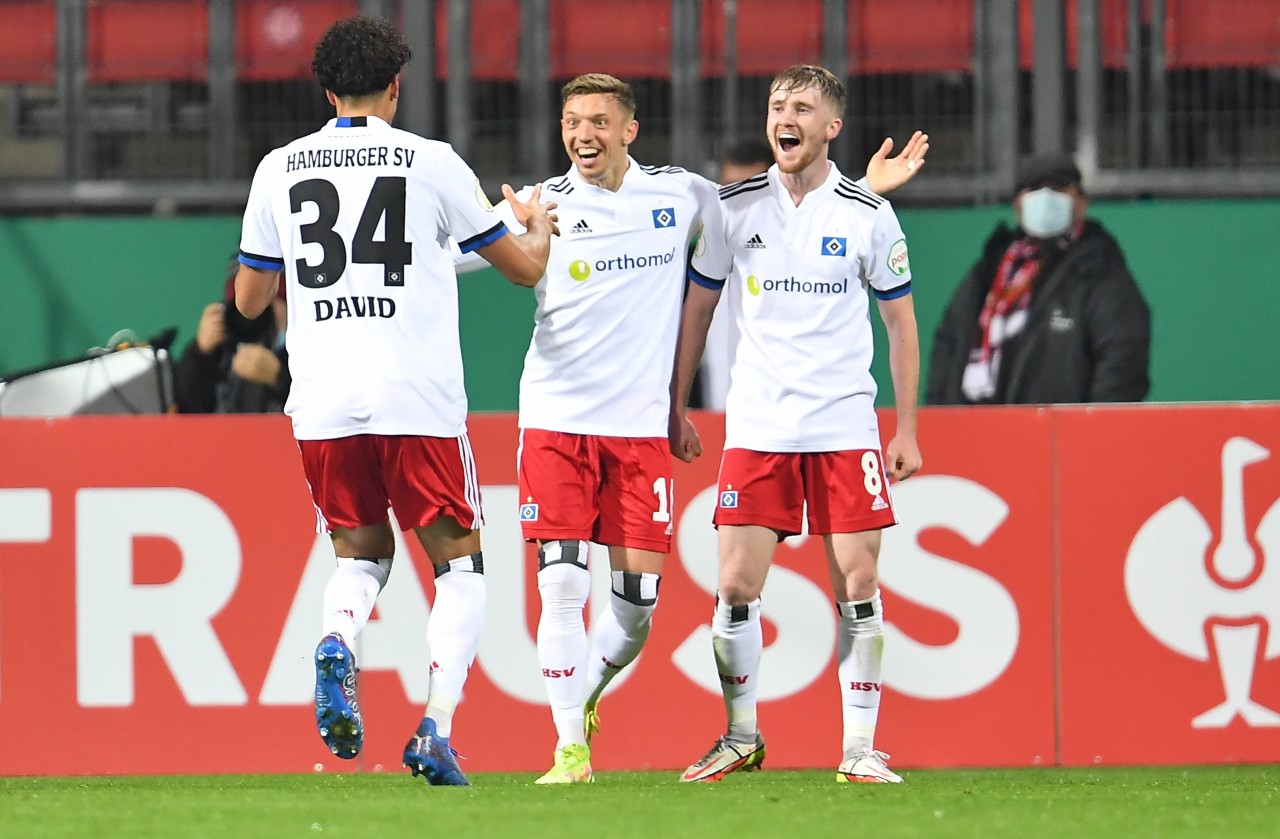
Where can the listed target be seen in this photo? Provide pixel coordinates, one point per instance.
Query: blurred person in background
(235, 365)
(1050, 313)
(356, 220)
(746, 157)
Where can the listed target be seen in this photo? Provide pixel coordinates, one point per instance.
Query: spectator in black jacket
(1050, 313)
(235, 365)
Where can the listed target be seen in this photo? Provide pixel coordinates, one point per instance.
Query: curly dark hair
(359, 56)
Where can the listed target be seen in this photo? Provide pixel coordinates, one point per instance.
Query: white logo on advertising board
(1177, 586)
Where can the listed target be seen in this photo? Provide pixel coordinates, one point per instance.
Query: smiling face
(802, 121)
(597, 130)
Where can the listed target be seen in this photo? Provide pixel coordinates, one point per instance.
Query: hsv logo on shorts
(729, 499)
(665, 217)
(833, 246)
(528, 512)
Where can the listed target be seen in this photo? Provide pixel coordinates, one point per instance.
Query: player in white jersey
(594, 463)
(356, 218)
(801, 245)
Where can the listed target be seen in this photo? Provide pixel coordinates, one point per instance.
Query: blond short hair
(589, 83)
(801, 76)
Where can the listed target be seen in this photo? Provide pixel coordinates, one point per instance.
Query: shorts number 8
(871, 473)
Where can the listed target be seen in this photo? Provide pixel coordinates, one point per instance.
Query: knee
(563, 579)
(736, 590)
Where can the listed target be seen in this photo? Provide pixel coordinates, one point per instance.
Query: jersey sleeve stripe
(853, 196)
(894, 293)
(754, 182)
(488, 237)
(848, 185)
(262, 263)
(704, 281)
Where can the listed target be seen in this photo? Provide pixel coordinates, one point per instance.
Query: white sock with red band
(350, 594)
(453, 634)
(860, 648)
(564, 584)
(738, 640)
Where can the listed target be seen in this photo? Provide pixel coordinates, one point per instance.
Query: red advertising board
(160, 582)
(1170, 578)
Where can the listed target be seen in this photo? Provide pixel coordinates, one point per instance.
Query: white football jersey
(797, 285)
(608, 311)
(359, 217)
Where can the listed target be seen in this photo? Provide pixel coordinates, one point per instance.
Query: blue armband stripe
(488, 237)
(894, 293)
(703, 280)
(262, 263)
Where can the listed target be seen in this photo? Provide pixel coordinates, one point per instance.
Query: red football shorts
(611, 490)
(846, 491)
(355, 479)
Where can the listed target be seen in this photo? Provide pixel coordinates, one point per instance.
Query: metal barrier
(168, 104)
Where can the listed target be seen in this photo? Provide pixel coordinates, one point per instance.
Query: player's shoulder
(665, 172)
(425, 145)
(745, 192)
(560, 187)
(855, 197)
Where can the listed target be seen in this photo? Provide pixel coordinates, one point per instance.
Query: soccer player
(594, 463)
(356, 218)
(801, 244)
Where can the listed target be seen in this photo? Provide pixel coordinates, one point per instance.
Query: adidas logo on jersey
(755, 242)
(581, 227)
(879, 504)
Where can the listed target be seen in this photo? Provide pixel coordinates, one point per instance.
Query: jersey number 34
(393, 253)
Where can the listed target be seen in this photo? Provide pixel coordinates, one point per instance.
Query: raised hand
(532, 212)
(885, 174)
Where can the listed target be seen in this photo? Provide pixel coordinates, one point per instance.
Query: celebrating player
(353, 216)
(595, 395)
(801, 243)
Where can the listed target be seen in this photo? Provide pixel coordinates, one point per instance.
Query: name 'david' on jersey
(355, 307)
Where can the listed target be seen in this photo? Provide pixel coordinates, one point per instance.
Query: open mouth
(587, 155)
(788, 142)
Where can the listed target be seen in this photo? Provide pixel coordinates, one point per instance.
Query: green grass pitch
(1201, 802)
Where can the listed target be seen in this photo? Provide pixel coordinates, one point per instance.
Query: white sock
(860, 647)
(738, 640)
(563, 584)
(350, 594)
(453, 634)
(618, 635)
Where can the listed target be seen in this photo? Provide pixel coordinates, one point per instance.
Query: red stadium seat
(167, 40)
(29, 43)
(147, 40)
(275, 39)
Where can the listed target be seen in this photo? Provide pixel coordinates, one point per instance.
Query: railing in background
(154, 103)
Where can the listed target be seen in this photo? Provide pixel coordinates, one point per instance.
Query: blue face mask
(1046, 213)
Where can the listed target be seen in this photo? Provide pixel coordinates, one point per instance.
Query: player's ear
(633, 128)
(333, 100)
(833, 130)
(395, 87)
